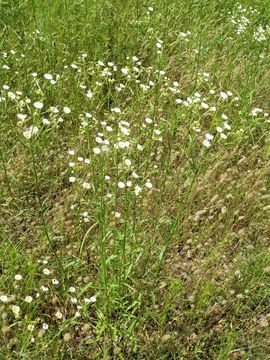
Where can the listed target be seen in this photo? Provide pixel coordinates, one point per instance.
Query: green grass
(140, 231)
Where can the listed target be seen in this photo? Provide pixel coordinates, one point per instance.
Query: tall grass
(135, 178)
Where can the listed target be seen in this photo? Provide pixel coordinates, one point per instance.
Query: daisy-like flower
(227, 126)
(72, 289)
(38, 105)
(148, 184)
(16, 310)
(92, 299)
(48, 76)
(44, 288)
(116, 110)
(148, 120)
(21, 116)
(224, 117)
(66, 110)
(45, 326)
(223, 95)
(204, 105)
(11, 95)
(223, 136)
(101, 63)
(138, 189)
(99, 140)
(97, 150)
(135, 175)
(127, 162)
(89, 94)
(28, 299)
(46, 271)
(4, 298)
(46, 121)
(206, 143)
(72, 179)
(18, 277)
(54, 110)
(209, 136)
(58, 314)
(124, 71)
(121, 185)
(86, 185)
(124, 130)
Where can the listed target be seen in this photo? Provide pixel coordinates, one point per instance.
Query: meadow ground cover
(134, 143)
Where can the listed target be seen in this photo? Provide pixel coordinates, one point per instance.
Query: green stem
(6, 173)
(41, 210)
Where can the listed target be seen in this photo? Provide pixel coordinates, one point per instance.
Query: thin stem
(6, 173)
(41, 209)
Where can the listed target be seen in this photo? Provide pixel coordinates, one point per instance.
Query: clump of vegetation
(135, 180)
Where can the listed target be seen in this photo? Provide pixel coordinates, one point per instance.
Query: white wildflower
(86, 185)
(66, 110)
(21, 116)
(121, 185)
(16, 310)
(3, 298)
(72, 179)
(18, 277)
(48, 76)
(46, 271)
(206, 143)
(28, 299)
(38, 105)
